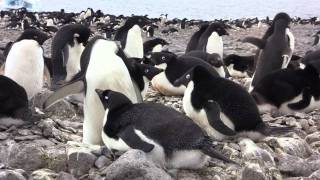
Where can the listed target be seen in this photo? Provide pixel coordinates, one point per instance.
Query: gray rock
(293, 146)
(26, 156)
(44, 174)
(313, 137)
(102, 161)
(11, 175)
(57, 158)
(253, 172)
(304, 124)
(3, 135)
(65, 176)
(187, 175)
(250, 151)
(315, 175)
(26, 138)
(134, 165)
(292, 165)
(80, 160)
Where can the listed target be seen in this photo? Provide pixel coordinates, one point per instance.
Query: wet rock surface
(40, 150)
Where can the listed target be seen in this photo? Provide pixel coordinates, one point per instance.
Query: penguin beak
(99, 92)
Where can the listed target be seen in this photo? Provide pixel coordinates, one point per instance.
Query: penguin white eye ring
(188, 76)
(106, 98)
(146, 71)
(163, 58)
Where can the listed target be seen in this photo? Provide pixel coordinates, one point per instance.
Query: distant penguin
(211, 41)
(101, 67)
(183, 23)
(25, 63)
(316, 39)
(214, 59)
(153, 45)
(130, 37)
(239, 66)
(66, 50)
(174, 67)
(289, 91)
(150, 31)
(169, 138)
(13, 99)
(275, 48)
(193, 43)
(221, 107)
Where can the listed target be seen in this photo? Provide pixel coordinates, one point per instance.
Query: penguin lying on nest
(169, 138)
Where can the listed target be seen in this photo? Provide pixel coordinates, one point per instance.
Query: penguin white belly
(215, 44)
(157, 48)
(200, 117)
(73, 64)
(25, 65)
(235, 73)
(161, 83)
(105, 71)
(134, 43)
(291, 39)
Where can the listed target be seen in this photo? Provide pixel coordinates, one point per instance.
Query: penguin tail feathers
(209, 150)
(272, 130)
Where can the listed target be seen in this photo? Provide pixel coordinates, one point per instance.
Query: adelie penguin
(25, 64)
(239, 66)
(275, 48)
(101, 67)
(193, 43)
(289, 91)
(170, 139)
(130, 37)
(316, 39)
(67, 47)
(154, 45)
(174, 67)
(214, 59)
(221, 107)
(211, 39)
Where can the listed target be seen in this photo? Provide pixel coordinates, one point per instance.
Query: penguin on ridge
(67, 47)
(174, 67)
(221, 107)
(130, 37)
(101, 67)
(300, 91)
(25, 64)
(169, 138)
(153, 45)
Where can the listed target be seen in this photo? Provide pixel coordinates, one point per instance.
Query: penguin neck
(280, 28)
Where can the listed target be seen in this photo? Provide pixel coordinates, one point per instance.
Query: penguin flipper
(65, 55)
(260, 43)
(73, 88)
(134, 141)
(213, 110)
(304, 102)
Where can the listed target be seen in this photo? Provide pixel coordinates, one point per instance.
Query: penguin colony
(110, 75)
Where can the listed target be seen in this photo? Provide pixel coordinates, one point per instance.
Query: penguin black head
(219, 28)
(136, 20)
(282, 18)
(34, 34)
(147, 70)
(112, 99)
(237, 61)
(215, 60)
(162, 57)
(195, 74)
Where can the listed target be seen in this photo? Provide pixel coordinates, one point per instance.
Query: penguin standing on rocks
(300, 91)
(193, 43)
(275, 48)
(221, 107)
(183, 23)
(67, 47)
(25, 64)
(101, 67)
(130, 37)
(169, 138)
(174, 67)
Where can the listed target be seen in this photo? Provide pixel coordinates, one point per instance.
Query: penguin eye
(188, 76)
(146, 71)
(106, 98)
(210, 101)
(163, 58)
(35, 37)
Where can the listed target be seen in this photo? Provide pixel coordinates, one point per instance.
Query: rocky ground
(41, 151)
